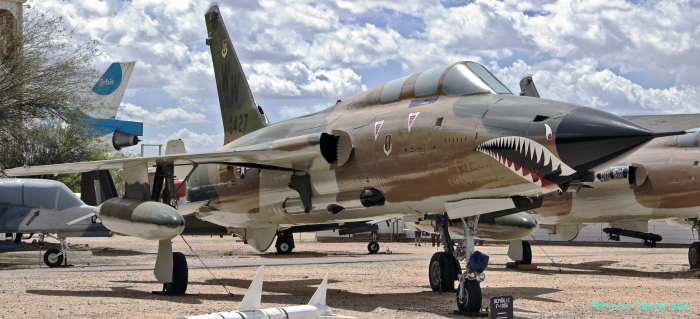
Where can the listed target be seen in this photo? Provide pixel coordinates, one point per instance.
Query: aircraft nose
(587, 138)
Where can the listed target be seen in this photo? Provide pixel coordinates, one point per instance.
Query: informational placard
(502, 307)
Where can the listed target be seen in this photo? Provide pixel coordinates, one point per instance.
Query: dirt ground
(113, 278)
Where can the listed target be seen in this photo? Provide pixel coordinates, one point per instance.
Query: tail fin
(251, 300)
(319, 297)
(106, 95)
(239, 111)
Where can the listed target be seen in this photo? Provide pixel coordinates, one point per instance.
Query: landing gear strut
(469, 291)
(285, 242)
(445, 268)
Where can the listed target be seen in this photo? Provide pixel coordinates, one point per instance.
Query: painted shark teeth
(539, 156)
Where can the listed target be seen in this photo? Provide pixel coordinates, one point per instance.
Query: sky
(626, 57)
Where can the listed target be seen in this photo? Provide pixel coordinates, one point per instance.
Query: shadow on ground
(600, 268)
(298, 292)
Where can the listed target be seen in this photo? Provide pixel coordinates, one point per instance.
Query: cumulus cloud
(582, 82)
(194, 142)
(298, 80)
(294, 111)
(160, 117)
(583, 51)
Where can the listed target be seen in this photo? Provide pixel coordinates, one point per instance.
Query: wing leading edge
(289, 154)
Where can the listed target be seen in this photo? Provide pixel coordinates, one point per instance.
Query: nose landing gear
(444, 266)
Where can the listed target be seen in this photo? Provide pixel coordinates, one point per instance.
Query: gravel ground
(113, 278)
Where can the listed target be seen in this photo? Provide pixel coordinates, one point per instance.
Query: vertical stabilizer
(178, 147)
(319, 297)
(239, 111)
(106, 96)
(251, 300)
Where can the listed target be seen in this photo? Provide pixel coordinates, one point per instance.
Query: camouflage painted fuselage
(417, 170)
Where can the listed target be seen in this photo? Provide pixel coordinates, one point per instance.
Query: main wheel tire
(53, 257)
(434, 272)
(694, 255)
(527, 254)
(180, 276)
(471, 300)
(449, 275)
(284, 246)
(442, 272)
(373, 247)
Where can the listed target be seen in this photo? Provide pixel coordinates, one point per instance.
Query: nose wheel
(469, 296)
(55, 257)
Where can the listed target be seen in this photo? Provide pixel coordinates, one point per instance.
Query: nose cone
(587, 138)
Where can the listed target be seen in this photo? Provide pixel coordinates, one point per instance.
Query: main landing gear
(180, 276)
(520, 252)
(445, 268)
(373, 246)
(285, 242)
(694, 250)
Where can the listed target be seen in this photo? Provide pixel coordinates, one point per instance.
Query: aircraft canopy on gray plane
(47, 194)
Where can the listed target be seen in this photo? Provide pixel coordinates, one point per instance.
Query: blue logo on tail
(110, 81)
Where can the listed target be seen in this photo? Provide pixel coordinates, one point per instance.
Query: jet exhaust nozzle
(122, 139)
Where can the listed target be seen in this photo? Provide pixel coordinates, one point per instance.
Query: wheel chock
(519, 266)
(470, 314)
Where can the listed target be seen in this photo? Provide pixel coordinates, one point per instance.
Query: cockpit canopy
(38, 193)
(462, 78)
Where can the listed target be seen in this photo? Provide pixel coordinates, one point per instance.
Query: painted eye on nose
(548, 132)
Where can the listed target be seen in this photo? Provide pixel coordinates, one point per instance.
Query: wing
(669, 122)
(295, 153)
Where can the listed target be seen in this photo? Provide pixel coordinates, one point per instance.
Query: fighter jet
(451, 142)
(659, 181)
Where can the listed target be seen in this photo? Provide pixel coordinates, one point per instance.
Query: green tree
(44, 75)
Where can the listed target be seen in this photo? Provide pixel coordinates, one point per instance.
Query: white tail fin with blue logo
(106, 95)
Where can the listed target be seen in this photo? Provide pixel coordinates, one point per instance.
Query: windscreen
(491, 80)
(462, 81)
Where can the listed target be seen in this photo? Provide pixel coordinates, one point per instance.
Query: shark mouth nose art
(527, 158)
